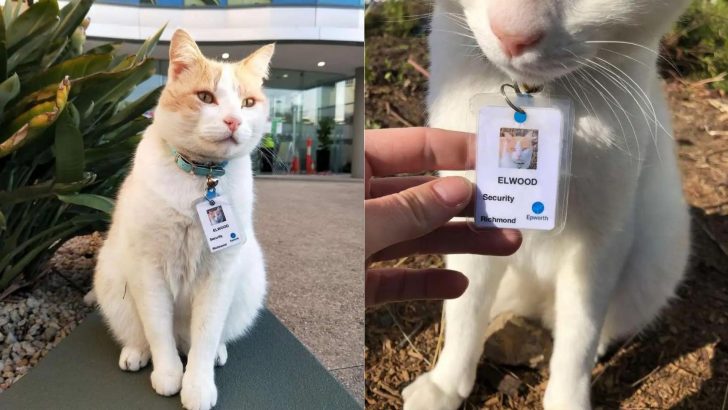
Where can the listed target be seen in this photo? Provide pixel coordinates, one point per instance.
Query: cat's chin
(535, 72)
(533, 76)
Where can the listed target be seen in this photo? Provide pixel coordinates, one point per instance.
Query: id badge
(522, 165)
(218, 223)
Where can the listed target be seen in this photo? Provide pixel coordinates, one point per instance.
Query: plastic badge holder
(526, 186)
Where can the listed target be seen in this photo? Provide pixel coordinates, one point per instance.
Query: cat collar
(210, 169)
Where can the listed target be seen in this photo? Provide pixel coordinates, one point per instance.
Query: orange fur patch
(190, 72)
(180, 93)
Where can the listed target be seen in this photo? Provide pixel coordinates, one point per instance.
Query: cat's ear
(258, 63)
(183, 53)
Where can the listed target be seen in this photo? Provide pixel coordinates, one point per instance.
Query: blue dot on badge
(537, 208)
(520, 117)
(233, 236)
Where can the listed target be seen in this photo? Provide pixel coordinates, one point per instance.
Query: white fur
(159, 287)
(626, 241)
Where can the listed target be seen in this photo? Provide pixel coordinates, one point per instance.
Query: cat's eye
(248, 102)
(206, 97)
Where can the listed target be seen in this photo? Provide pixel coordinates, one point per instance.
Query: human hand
(411, 215)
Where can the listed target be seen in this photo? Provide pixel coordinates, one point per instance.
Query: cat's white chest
(185, 258)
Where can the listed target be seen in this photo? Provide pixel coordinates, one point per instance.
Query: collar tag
(211, 192)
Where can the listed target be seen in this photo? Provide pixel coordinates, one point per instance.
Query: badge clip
(211, 192)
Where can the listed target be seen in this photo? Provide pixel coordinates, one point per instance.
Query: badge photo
(522, 163)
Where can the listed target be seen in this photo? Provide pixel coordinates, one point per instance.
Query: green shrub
(325, 129)
(699, 43)
(65, 140)
(401, 18)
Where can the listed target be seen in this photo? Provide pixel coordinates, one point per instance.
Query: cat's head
(536, 41)
(212, 110)
(517, 145)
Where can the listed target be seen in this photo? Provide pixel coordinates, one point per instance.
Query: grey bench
(267, 369)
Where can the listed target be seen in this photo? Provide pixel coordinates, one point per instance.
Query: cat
(159, 287)
(516, 152)
(624, 248)
(216, 215)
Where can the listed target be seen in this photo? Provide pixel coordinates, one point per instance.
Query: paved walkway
(312, 232)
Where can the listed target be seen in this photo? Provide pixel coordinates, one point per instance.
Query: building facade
(316, 85)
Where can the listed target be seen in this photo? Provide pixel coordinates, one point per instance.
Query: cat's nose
(513, 43)
(231, 122)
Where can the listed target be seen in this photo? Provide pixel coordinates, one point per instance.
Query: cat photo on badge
(216, 215)
(518, 148)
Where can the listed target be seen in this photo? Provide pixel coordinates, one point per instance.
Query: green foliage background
(699, 43)
(66, 138)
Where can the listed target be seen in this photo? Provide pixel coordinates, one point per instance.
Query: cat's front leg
(210, 304)
(583, 292)
(466, 319)
(156, 312)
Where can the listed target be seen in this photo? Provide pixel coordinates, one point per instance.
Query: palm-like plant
(66, 138)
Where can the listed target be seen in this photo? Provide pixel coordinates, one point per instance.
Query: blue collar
(209, 169)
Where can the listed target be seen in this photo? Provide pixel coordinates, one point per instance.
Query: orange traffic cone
(309, 159)
(295, 167)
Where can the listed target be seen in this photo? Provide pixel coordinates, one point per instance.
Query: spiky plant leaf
(98, 202)
(34, 20)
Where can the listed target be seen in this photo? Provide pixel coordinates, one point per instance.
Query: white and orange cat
(626, 241)
(160, 289)
(517, 151)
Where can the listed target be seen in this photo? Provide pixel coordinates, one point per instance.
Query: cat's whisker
(593, 82)
(595, 112)
(635, 86)
(618, 105)
(642, 46)
(659, 123)
(619, 82)
(459, 20)
(638, 61)
(470, 43)
(458, 34)
(612, 73)
(275, 162)
(410, 17)
(576, 93)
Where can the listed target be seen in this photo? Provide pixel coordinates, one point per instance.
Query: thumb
(414, 212)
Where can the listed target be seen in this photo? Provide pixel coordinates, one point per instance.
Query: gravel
(32, 322)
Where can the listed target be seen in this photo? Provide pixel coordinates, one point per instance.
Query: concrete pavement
(312, 233)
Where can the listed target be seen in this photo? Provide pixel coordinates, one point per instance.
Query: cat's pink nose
(514, 43)
(232, 123)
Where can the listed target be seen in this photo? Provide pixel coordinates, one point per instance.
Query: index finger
(410, 150)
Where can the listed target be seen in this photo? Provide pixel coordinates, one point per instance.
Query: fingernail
(453, 191)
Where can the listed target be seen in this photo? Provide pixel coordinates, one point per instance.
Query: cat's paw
(167, 381)
(132, 359)
(424, 394)
(221, 357)
(90, 298)
(198, 391)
